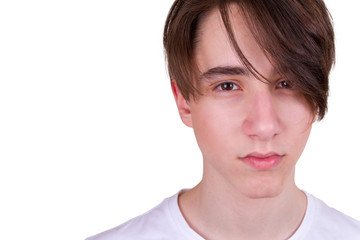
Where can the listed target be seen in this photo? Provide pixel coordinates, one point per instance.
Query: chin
(268, 188)
(263, 193)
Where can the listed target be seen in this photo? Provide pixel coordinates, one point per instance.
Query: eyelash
(225, 85)
(287, 86)
(231, 86)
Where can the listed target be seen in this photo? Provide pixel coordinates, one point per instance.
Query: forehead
(214, 49)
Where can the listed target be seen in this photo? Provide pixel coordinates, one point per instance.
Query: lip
(261, 161)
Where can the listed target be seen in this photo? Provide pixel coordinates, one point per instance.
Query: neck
(218, 212)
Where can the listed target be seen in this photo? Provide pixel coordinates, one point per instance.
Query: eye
(227, 86)
(284, 84)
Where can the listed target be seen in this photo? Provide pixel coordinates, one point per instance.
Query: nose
(262, 121)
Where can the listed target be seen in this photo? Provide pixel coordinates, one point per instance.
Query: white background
(89, 132)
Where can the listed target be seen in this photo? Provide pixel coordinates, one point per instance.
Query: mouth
(261, 161)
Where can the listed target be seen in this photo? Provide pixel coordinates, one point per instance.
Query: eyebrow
(224, 70)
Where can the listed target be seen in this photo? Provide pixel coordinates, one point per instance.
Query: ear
(182, 105)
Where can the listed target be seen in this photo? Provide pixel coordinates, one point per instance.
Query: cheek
(296, 113)
(214, 127)
(297, 120)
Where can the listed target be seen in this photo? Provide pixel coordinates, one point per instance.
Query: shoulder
(330, 222)
(145, 225)
(159, 223)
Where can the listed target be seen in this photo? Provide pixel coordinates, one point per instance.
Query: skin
(238, 115)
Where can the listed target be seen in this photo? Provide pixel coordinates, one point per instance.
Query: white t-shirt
(165, 222)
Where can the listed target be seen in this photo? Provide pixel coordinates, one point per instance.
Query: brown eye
(284, 84)
(227, 86)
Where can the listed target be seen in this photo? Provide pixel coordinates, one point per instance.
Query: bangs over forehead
(297, 37)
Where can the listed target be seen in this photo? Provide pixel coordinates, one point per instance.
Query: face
(250, 133)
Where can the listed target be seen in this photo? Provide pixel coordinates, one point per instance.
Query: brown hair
(296, 35)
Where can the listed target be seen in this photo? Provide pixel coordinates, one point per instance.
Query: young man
(250, 77)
